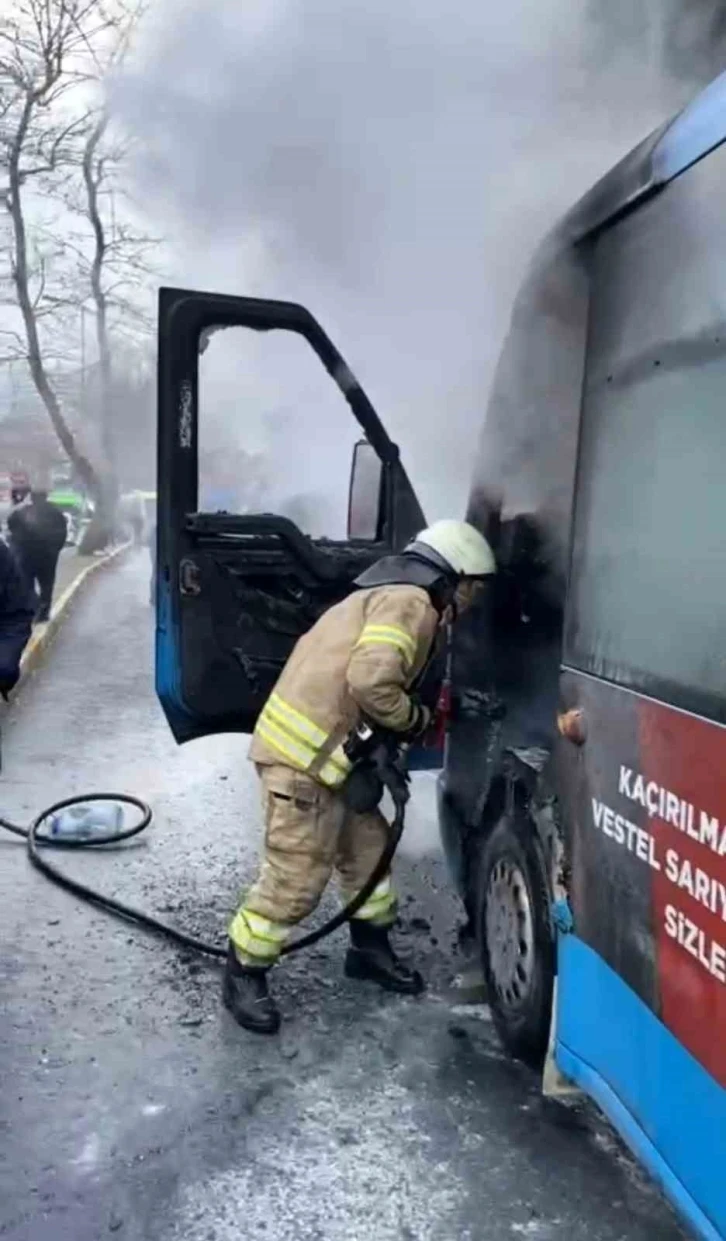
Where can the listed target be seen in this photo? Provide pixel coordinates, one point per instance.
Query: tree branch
(47, 48)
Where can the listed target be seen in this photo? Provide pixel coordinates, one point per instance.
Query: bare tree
(51, 56)
(41, 46)
(93, 172)
(119, 267)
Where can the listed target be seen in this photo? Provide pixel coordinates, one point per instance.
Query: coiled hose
(36, 843)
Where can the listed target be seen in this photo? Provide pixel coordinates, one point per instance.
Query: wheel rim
(509, 933)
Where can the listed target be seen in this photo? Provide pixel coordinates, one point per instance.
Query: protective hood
(402, 570)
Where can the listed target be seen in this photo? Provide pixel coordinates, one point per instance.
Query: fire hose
(383, 768)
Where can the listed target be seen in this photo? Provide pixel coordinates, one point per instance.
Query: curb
(43, 635)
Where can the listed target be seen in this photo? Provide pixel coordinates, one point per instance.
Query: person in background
(38, 533)
(19, 497)
(17, 609)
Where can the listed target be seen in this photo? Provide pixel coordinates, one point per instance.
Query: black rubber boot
(245, 994)
(371, 957)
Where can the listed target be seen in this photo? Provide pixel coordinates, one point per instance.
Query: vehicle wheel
(515, 939)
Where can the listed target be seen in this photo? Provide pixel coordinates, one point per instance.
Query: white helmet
(460, 545)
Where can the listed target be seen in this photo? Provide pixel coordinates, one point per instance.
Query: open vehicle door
(236, 590)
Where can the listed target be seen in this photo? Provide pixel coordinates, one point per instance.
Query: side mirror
(366, 493)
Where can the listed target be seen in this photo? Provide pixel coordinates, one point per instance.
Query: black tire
(515, 939)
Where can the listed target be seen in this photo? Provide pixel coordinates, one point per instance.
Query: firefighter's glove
(421, 722)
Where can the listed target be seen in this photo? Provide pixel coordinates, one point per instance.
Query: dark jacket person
(38, 532)
(17, 609)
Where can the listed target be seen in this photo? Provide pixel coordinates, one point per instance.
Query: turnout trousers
(309, 833)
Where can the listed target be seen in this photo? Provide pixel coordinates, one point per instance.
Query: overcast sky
(392, 166)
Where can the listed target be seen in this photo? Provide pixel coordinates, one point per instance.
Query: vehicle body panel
(643, 802)
(660, 1099)
(600, 484)
(506, 656)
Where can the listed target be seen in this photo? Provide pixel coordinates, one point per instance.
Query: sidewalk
(70, 567)
(73, 573)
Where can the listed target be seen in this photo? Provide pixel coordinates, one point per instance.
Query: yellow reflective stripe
(340, 759)
(297, 723)
(380, 900)
(391, 631)
(386, 642)
(281, 720)
(383, 887)
(383, 892)
(314, 738)
(332, 776)
(388, 635)
(257, 937)
(378, 913)
(282, 726)
(380, 904)
(299, 755)
(263, 928)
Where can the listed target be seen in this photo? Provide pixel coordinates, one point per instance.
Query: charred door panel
(507, 652)
(257, 586)
(236, 591)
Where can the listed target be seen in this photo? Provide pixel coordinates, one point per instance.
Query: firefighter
(356, 665)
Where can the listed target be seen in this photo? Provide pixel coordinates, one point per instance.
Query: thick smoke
(392, 166)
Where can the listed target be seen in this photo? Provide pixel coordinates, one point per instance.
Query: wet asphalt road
(131, 1105)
